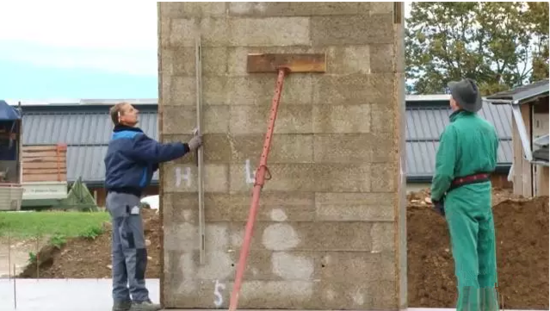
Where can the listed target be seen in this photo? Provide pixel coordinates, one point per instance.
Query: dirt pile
(522, 253)
(522, 237)
(91, 258)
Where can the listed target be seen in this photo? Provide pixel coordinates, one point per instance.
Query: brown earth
(522, 253)
(522, 250)
(91, 258)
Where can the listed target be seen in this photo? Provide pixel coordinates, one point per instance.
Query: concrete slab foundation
(80, 295)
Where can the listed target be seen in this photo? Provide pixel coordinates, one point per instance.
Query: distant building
(529, 107)
(85, 127)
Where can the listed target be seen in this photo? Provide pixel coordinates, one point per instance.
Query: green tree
(538, 16)
(498, 44)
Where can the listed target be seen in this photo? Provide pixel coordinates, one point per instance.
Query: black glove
(439, 206)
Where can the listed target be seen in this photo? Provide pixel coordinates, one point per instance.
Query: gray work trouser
(129, 255)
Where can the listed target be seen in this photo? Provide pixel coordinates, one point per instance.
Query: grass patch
(58, 225)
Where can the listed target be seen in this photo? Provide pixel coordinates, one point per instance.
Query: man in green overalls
(461, 191)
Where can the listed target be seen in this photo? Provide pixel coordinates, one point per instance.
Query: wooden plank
(37, 171)
(28, 148)
(36, 152)
(41, 154)
(44, 165)
(44, 160)
(527, 168)
(517, 180)
(294, 61)
(44, 177)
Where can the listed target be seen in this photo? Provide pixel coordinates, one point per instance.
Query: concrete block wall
(331, 224)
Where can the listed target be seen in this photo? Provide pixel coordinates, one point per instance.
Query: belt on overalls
(469, 179)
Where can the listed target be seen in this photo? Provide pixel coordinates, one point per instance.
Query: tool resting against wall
(282, 64)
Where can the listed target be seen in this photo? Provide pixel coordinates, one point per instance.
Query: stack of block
(331, 224)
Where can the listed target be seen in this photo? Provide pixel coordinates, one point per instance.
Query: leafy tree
(538, 16)
(498, 44)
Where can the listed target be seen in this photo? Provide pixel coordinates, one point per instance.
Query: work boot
(122, 305)
(146, 305)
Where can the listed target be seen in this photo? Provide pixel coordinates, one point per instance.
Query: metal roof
(520, 94)
(86, 131)
(424, 125)
(79, 102)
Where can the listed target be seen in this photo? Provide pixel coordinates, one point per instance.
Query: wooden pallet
(44, 163)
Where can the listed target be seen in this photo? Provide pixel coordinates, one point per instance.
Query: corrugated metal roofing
(86, 131)
(425, 123)
(522, 92)
(66, 126)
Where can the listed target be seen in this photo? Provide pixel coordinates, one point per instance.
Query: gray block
(183, 119)
(354, 207)
(351, 59)
(183, 178)
(253, 119)
(383, 117)
(221, 207)
(384, 177)
(182, 32)
(182, 91)
(285, 177)
(260, 32)
(352, 148)
(306, 236)
(265, 9)
(382, 59)
(342, 177)
(342, 118)
(342, 89)
(192, 9)
(350, 30)
(285, 148)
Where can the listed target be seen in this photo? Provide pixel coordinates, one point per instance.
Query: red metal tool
(258, 185)
(283, 64)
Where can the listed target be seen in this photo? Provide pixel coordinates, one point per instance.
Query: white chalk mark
(218, 288)
(280, 237)
(250, 177)
(278, 214)
(186, 176)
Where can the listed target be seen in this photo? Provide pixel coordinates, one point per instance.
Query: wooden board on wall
(44, 163)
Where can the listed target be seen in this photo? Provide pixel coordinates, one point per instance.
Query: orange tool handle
(258, 185)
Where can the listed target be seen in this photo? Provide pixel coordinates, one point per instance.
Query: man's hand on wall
(195, 142)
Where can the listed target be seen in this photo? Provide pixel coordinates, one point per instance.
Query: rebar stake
(14, 288)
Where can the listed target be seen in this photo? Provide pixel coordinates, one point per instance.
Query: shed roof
(520, 94)
(86, 131)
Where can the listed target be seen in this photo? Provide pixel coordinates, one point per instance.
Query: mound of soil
(522, 254)
(91, 258)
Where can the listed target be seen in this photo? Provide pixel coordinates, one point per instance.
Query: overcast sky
(79, 49)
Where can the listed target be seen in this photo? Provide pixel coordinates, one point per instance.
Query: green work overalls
(468, 146)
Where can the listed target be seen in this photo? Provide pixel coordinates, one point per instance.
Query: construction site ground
(522, 254)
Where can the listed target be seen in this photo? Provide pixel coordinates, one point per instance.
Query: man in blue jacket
(131, 160)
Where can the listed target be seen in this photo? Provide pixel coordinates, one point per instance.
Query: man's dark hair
(116, 111)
